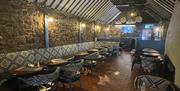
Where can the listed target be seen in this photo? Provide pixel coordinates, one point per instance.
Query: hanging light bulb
(123, 20)
(132, 14)
(139, 19)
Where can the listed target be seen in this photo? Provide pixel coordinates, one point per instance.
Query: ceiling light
(132, 14)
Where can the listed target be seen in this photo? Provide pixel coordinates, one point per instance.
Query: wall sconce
(83, 25)
(107, 29)
(98, 27)
(50, 19)
(157, 29)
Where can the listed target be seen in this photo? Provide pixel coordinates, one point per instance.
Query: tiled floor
(113, 75)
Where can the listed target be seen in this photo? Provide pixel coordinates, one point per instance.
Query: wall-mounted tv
(127, 28)
(148, 26)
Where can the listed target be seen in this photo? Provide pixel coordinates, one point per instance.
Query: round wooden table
(92, 50)
(26, 71)
(55, 62)
(80, 55)
(99, 48)
(150, 50)
(151, 54)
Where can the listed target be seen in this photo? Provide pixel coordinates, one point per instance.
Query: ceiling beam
(99, 7)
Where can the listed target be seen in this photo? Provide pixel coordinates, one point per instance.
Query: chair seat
(69, 80)
(2, 88)
(152, 82)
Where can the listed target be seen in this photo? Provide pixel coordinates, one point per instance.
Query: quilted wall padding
(13, 60)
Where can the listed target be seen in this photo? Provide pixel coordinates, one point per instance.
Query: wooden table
(92, 50)
(26, 71)
(150, 54)
(55, 62)
(94, 56)
(99, 48)
(150, 50)
(33, 69)
(80, 55)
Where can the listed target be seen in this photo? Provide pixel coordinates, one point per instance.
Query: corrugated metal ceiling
(96, 10)
(158, 9)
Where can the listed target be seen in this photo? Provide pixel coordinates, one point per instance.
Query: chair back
(74, 68)
(172, 87)
(154, 82)
(5, 76)
(169, 69)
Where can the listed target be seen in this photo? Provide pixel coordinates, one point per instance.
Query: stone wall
(64, 30)
(87, 32)
(172, 47)
(21, 26)
(103, 32)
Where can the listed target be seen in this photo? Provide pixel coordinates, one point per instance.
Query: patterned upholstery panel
(12, 60)
(85, 46)
(106, 43)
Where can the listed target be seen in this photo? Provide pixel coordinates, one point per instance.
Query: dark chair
(136, 58)
(168, 70)
(154, 82)
(90, 62)
(4, 79)
(48, 79)
(71, 73)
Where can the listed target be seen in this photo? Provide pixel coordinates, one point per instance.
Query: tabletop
(93, 57)
(82, 54)
(151, 54)
(55, 62)
(26, 71)
(99, 48)
(33, 69)
(92, 50)
(150, 50)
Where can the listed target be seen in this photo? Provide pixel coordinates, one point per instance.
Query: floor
(113, 75)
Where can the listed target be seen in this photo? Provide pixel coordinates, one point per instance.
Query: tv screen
(127, 29)
(148, 26)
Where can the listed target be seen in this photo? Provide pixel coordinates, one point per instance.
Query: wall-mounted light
(83, 25)
(98, 27)
(157, 29)
(50, 19)
(107, 29)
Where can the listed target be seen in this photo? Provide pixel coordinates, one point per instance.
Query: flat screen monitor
(127, 29)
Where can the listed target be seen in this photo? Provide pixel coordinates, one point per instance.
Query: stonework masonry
(22, 27)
